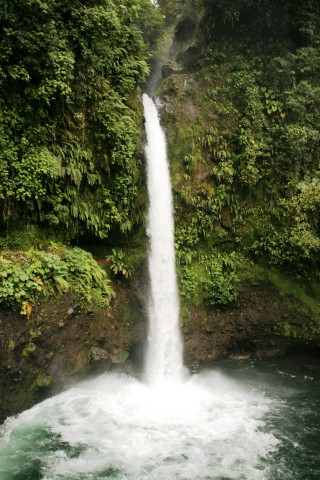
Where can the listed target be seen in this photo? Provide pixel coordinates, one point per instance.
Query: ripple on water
(208, 427)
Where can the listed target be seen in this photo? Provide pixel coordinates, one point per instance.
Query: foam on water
(116, 427)
(200, 427)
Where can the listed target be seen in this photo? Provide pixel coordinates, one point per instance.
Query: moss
(289, 330)
(28, 349)
(184, 315)
(120, 357)
(129, 312)
(43, 380)
(305, 332)
(252, 274)
(82, 362)
(11, 345)
(307, 294)
(300, 297)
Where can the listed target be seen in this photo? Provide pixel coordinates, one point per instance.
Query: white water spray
(115, 427)
(164, 354)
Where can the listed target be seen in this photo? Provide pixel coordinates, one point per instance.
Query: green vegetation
(243, 123)
(24, 275)
(119, 263)
(241, 100)
(304, 295)
(70, 121)
(11, 345)
(309, 298)
(70, 137)
(210, 279)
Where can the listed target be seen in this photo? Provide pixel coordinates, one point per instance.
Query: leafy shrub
(120, 263)
(69, 115)
(192, 280)
(25, 235)
(222, 279)
(297, 245)
(251, 145)
(212, 279)
(24, 275)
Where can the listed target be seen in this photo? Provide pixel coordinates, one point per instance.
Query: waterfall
(164, 353)
(206, 426)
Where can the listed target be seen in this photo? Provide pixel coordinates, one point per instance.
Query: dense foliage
(70, 137)
(70, 120)
(242, 111)
(242, 103)
(25, 275)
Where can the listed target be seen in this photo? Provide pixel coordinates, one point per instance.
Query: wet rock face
(184, 51)
(61, 343)
(184, 35)
(185, 29)
(259, 324)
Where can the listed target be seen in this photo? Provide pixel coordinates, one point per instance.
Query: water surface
(235, 421)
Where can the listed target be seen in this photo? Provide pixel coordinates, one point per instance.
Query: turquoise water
(295, 386)
(234, 421)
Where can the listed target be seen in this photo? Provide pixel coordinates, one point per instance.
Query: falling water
(201, 427)
(164, 354)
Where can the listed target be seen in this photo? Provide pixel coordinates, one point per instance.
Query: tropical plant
(25, 275)
(69, 116)
(120, 263)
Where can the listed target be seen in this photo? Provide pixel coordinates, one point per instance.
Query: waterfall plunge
(164, 354)
(115, 427)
